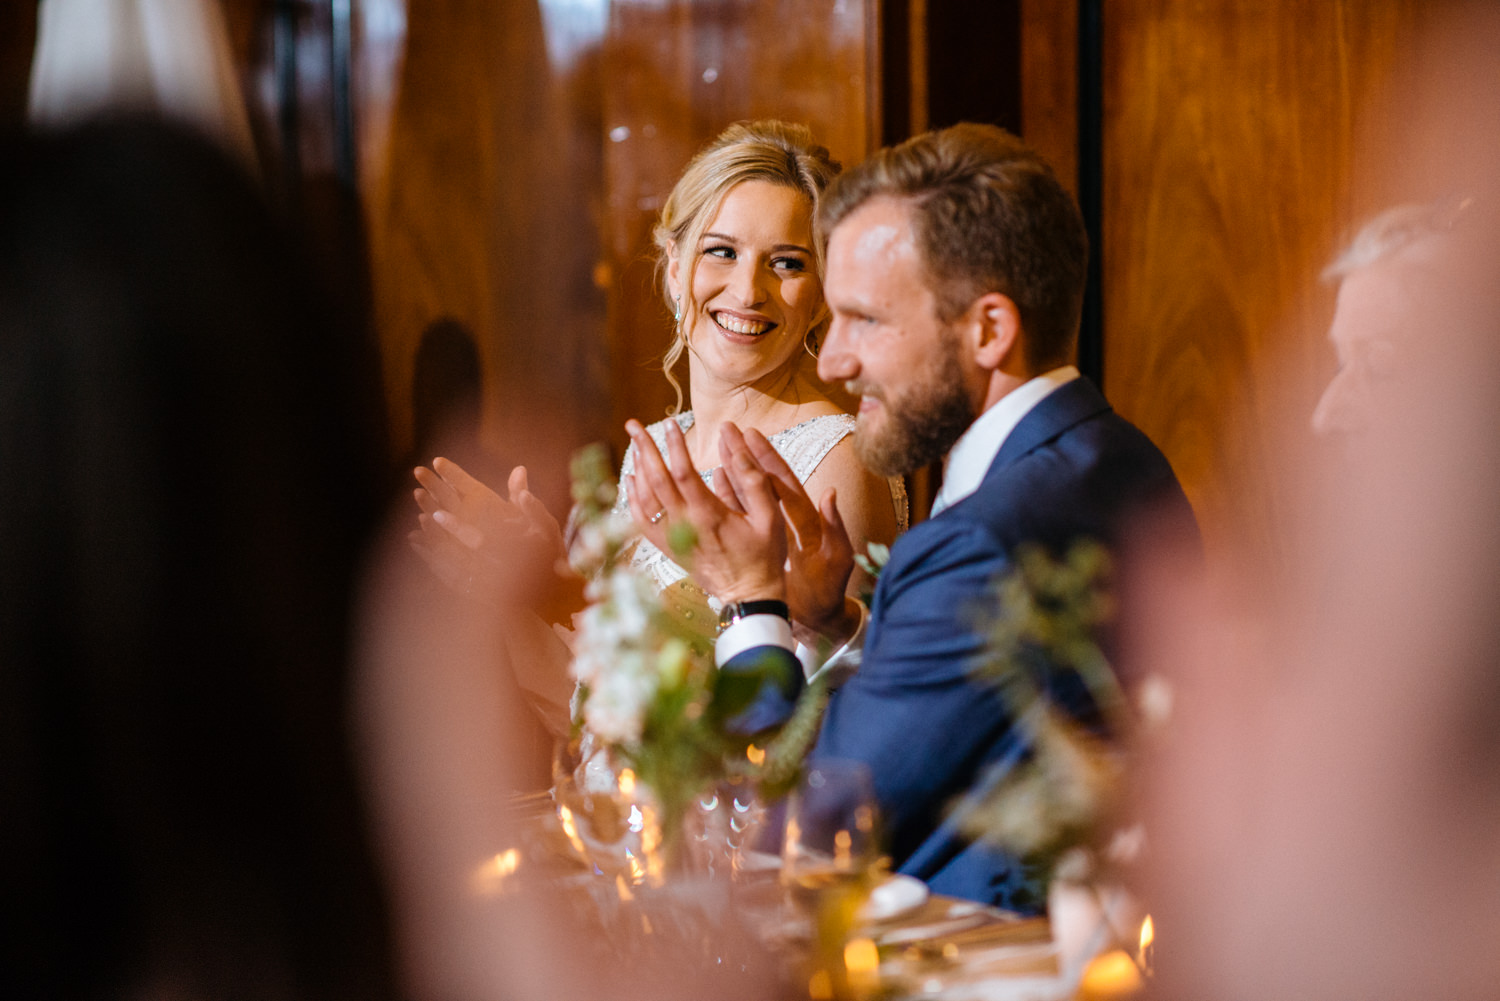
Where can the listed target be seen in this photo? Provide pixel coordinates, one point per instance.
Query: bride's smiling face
(755, 287)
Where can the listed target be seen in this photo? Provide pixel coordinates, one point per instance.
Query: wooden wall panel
(481, 214)
(1230, 135)
(677, 73)
(1049, 84)
(530, 148)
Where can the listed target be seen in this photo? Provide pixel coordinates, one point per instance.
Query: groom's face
(888, 344)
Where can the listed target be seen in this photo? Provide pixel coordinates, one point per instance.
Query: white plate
(896, 896)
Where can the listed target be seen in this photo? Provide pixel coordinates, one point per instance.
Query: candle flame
(756, 755)
(570, 828)
(862, 961)
(1148, 937)
(842, 844)
(627, 783)
(489, 878)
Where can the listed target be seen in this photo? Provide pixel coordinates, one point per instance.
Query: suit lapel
(1063, 408)
(1067, 406)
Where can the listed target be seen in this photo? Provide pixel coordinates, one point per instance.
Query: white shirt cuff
(753, 631)
(845, 661)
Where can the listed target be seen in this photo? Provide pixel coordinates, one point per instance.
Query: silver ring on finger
(658, 516)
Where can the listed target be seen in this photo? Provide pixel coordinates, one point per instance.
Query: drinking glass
(830, 862)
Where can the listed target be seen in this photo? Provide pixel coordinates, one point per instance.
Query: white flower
(616, 655)
(632, 601)
(589, 546)
(616, 706)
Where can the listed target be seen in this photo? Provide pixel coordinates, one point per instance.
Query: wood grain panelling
(525, 170)
(1049, 84)
(1230, 138)
(675, 74)
(482, 215)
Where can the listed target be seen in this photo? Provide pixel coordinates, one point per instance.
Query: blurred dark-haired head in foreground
(190, 475)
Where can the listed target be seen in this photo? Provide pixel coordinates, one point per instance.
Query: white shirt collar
(972, 454)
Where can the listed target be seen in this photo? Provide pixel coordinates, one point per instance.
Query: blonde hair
(778, 152)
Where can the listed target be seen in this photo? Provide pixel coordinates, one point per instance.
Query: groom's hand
(740, 549)
(821, 557)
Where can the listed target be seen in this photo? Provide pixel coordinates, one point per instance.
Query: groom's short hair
(990, 216)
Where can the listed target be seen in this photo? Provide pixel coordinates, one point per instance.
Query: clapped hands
(739, 548)
(757, 532)
(486, 545)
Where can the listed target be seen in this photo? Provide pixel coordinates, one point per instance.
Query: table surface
(945, 948)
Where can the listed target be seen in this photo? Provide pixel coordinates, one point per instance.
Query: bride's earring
(677, 314)
(810, 343)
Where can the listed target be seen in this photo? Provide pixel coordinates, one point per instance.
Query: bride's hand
(474, 538)
(542, 530)
(820, 556)
(739, 550)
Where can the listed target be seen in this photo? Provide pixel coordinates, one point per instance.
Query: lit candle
(862, 962)
(1111, 977)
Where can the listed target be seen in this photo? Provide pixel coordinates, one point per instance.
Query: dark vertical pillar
(343, 96)
(895, 71)
(284, 54)
(1091, 181)
(17, 44)
(974, 63)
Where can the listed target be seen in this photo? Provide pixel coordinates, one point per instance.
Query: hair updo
(775, 151)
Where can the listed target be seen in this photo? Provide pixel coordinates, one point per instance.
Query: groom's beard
(920, 425)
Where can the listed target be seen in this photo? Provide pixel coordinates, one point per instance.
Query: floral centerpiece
(650, 700)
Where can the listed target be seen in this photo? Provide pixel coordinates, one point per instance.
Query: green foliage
(593, 485)
(1051, 610)
(1046, 620)
(663, 643)
(782, 767)
(872, 562)
(874, 559)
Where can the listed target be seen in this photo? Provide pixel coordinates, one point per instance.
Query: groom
(955, 273)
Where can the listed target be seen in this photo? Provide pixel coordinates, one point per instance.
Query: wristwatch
(736, 610)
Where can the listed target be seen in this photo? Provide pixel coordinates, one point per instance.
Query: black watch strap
(736, 610)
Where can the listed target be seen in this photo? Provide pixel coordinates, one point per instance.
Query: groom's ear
(994, 326)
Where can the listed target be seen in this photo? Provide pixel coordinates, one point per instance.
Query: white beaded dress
(533, 645)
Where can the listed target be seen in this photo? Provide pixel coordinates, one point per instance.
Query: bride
(741, 266)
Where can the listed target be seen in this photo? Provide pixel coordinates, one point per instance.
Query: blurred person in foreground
(1324, 814)
(1395, 278)
(955, 279)
(192, 468)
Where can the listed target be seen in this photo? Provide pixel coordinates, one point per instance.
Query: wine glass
(830, 862)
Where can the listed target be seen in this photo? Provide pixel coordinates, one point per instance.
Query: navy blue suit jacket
(1071, 469)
